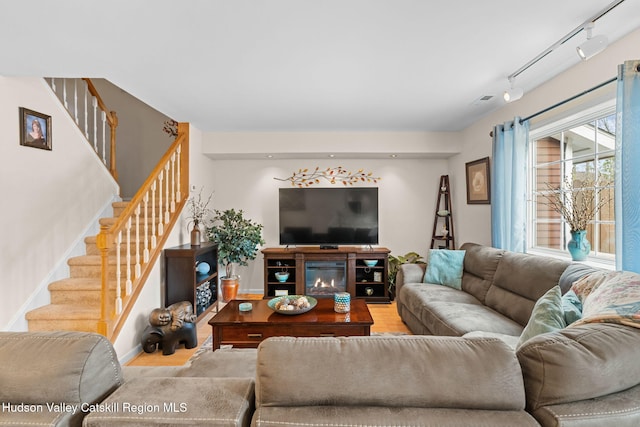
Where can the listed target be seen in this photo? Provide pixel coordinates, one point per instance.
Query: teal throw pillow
(547, 316)
(445, 267)
(572, 307)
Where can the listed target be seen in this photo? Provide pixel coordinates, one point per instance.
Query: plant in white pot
(237, 239)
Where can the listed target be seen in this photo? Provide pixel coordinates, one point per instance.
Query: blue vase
(579, 247)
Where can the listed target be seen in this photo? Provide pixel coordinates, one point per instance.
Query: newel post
(104, 242)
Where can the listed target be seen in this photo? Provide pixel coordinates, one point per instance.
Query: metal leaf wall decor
(306, 178)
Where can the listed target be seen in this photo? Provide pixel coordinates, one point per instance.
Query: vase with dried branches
(198, 211)
(578, 203)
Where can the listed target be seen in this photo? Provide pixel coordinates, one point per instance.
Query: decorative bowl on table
(370, 262)
(282, 276)
(292, 304)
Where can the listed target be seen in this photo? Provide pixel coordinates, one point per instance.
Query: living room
(233, 166)
(573, 376)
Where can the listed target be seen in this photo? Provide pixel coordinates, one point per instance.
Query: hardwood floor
(385, 319)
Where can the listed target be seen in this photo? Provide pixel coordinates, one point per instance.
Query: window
(576, 153)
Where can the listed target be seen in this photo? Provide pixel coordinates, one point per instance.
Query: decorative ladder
(443, 235)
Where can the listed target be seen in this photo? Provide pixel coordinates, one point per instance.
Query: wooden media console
(347, 264)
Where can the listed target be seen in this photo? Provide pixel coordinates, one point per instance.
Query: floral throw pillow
(585, 285)
(611, 297)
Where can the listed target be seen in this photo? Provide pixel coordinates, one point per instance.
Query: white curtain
(509, 186)
(627, 197)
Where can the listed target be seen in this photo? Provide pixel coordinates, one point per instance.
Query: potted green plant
(394, 265)
(237, 238)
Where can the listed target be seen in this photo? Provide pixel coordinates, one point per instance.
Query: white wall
(127, 345)
(50, 198)
(407, 198)
(474, 221)
(140, 139)
(300, 145)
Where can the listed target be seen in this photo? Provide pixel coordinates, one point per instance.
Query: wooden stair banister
(112, 119)
(165, 190)
(88, 114)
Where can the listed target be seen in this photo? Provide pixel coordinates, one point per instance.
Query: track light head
(513, 93)
(593, 45)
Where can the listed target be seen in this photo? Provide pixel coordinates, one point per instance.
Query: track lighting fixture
(514, 93)
(593, 45)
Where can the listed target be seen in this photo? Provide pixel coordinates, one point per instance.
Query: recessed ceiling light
(332, 155)
(393, 156)
(269, 156)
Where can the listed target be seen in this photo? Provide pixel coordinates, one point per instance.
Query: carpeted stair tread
(64, 312)
(93, 240)
(90, 260)
(76, 284)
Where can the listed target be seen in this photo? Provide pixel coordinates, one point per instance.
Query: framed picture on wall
(35, 129)
(478, 184)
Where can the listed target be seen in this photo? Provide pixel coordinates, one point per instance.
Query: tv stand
(360, 278)
(328, 246)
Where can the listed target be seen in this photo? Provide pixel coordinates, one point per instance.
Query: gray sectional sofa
(499, 290)
(461, 369)
(585, 375)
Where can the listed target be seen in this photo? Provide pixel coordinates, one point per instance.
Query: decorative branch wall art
(306, 178)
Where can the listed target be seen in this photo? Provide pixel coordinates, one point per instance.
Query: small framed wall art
(478, 182)
(35, 129)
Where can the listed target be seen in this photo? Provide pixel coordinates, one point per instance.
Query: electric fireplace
(325, 278)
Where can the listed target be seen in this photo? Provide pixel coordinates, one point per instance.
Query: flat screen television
(328, 216)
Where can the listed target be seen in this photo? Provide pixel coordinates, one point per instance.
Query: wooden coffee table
(246, 329)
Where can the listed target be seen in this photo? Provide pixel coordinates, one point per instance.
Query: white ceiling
(304, 65)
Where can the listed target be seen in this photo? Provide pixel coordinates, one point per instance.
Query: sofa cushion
(445, 268)
(547, 316)
(434, 372)
(457, 319)
(480, 264)
(415, 295)
(155, 401)
(620, 409)
(372, 416)
(520, 281)
(579, 363)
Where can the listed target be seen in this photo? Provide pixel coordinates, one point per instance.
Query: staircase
(76, 301)
(105, 282)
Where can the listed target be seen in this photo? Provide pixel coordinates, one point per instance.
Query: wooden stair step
(77, 291)
(108, 222)
(95, 260)
(91, 246)
(90, 266)
(68, 317)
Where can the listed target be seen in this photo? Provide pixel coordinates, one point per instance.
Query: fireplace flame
(319, 283)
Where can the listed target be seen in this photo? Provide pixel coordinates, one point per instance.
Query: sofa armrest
(436, 372)
(409, 273)
(579, 363)
(54, 367)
